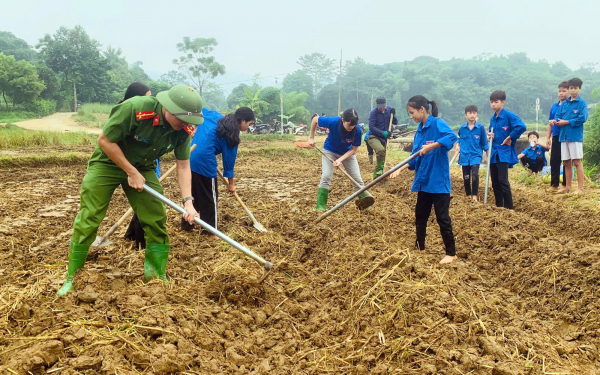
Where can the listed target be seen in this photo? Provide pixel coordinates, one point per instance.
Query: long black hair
(348, 115)
(135, 89)
(419, 101)
(228, 127)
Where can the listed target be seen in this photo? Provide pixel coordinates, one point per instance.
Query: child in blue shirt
(472, 141)
(553, 141)
(570, 117)
(505, 129)
(218, 135)
(341, 144)
(433, 140)
(534, 156)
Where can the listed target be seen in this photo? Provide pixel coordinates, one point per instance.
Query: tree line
(69, 66)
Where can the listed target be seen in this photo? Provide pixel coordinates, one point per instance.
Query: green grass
(266, 137)
(16, 116)
(93, 115)
(12, 137)
(41, 160)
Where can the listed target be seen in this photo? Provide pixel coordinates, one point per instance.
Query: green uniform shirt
(138, 127)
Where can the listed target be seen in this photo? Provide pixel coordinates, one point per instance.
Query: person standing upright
(379, 128)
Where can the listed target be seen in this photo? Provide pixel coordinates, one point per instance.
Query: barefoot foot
(447, 259)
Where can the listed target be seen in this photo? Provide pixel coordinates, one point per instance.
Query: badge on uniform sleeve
(575, 111)
(476, 137)
(189, 129)
(505, 127)
(156, 121)
(144, 115)
(429, 142)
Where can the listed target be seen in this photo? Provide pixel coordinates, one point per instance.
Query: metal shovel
(168, 202)
(257, 225)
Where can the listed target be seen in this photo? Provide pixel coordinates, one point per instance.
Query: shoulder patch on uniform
(189, 129)
(144, 115)
(156, 121)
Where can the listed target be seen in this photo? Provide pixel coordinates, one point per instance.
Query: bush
(591, 139)
(41, 107)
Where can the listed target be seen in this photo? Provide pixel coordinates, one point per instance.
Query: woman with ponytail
(433, 139)
(341, 144)
(218, 135)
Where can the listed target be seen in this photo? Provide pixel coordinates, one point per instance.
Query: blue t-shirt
(432, 171)
(505, 124)
(334, 142)
(533, 153)
(203, 160)
(472, 144)
(553, 110)
(576, 112)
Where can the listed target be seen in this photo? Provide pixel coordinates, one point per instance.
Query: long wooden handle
(387, 141)
(237, 197)
(343, 171)
(130, 210)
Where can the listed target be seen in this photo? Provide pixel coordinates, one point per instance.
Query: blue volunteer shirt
(576, 112)
(506, 124)
(472, 144)
(432, 171)
(533, 153)
(203, 160)
(553, 110)
(367, 135)
(380, 122)
(334, 141)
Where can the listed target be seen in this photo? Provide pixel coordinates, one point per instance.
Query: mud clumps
(348, 295)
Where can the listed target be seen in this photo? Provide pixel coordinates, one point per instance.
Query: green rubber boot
(378, 170)
(364, 201)
(322, 196)
(77, 255)
(155, 263)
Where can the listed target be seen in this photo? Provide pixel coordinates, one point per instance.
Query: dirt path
(59, 121)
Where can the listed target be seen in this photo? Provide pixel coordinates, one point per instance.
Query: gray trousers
(350, 164)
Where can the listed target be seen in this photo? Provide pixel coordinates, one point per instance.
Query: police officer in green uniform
(138, 131)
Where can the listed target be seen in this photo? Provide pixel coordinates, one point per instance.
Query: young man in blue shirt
(534, 156)
(553, 142)
(570, 117)
(505, 129)
(472, 141)
(379, 126)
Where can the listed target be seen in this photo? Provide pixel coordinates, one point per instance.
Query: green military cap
(183, 102)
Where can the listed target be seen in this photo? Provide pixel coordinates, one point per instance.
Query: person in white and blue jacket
(472, 142)
(218, 135)
(341, 144)
(534, 156)
(433, 140)
(505, 130)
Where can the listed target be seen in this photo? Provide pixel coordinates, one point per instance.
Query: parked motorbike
(301, 130)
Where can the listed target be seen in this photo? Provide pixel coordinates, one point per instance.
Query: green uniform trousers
(97, 188)
(378, 147)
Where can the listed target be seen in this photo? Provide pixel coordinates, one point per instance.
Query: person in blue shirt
(369, 148)
(570, 117)
(534, 156)
(505, 129)
(472, 141)
(433, 140)
(553, 142)
(218, 135)
(379, 132)
(340, 145)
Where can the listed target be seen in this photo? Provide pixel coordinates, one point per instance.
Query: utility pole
(340, 90)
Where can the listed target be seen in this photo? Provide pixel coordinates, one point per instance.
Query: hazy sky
(267, 37)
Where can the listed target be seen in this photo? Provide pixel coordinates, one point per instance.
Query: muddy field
(348, 295)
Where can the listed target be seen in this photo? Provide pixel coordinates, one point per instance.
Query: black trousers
(370, 149)
(471, 179)
(535, 165)
(500, 184)
(555, 160)
(441, 204)
(206, 193)
(136, 233)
